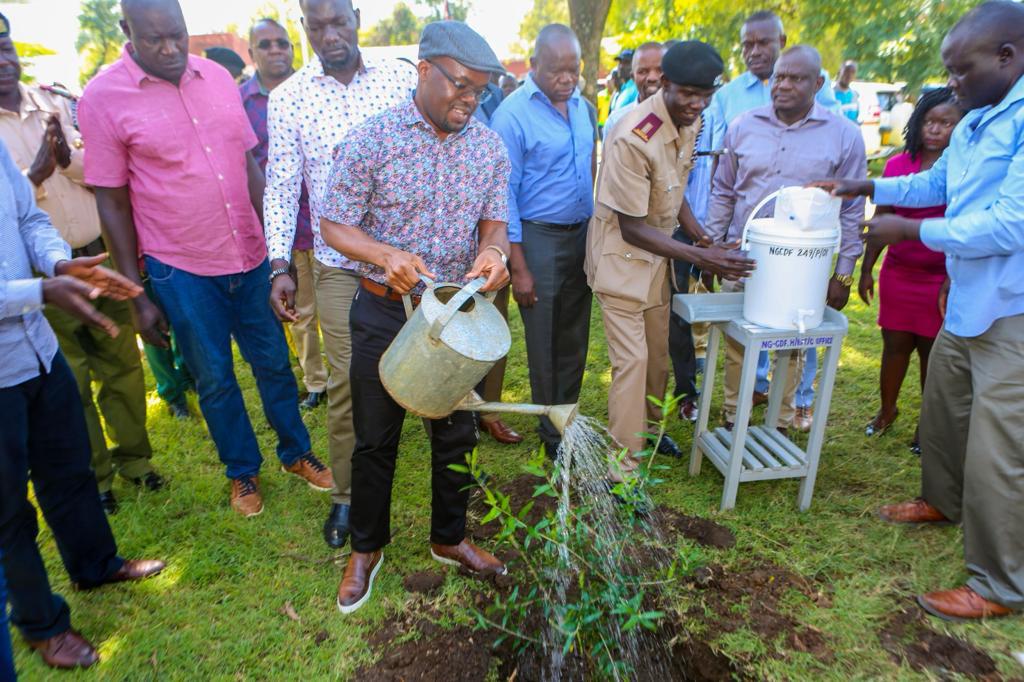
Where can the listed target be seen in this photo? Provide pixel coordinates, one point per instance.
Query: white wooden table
(759, 452)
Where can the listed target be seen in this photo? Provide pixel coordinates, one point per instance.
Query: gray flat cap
(457, 40)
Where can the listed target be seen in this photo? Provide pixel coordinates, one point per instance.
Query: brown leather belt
(384, 291)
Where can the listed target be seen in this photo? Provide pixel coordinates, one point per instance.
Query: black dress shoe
(151, 481)
(312, 400)
(108, 502)
(336, 526)
(667, 446)
(179, 410)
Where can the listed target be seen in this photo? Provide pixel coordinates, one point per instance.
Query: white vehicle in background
(876, 102)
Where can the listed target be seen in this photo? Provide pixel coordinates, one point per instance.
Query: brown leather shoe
(357, 583)
(760, 398)
(915, 511)
(469, 556)
(245, 496)
(804, 419)
(688, 410)
(131, 570)
(961, 603)
(313, 471)
(66, 650)
(501, 432)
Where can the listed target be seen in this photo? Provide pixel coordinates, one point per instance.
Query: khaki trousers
(972, 451)
(638, 351)
(490, 387)
(116, 368)
(733, 366)
(305, 331)
(335, 288)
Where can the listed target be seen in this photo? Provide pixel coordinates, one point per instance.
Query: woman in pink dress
(912, 275)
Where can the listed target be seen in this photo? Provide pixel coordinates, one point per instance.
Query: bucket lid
(770, 227)
(479, 333)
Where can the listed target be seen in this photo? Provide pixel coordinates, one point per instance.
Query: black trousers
(680, 336)
(43, 437)
(557, 327)
(375, 321)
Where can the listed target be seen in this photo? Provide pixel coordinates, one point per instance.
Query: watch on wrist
(845, 280)
(504, 257)
(280, 271)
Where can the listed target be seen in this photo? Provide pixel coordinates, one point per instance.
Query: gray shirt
(27, 241)
(764, 154)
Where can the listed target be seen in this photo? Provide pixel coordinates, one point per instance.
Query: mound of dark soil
(423, 582)
(700, 530)
(908, 638)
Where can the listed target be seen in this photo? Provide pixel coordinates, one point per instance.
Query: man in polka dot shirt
(309, 114)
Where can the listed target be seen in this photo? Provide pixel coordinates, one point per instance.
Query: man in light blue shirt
(972, 428)
(762, 39)
(43, 437)
(550, 136)
(628, 93)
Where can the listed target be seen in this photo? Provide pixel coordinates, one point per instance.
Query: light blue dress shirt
(551, 180)
(625, 96)
(980, 178)
(698, 186)
(747, 92)
(27, 241)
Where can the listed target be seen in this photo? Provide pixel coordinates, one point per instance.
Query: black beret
(225, 56)
(693, 63)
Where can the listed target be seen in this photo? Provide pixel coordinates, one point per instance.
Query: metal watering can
(446, 347)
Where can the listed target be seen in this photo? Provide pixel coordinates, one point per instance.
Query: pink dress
(911, 274)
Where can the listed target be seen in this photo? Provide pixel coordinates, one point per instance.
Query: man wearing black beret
(639, 203)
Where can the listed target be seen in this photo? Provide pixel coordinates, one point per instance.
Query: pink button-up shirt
(181, 152)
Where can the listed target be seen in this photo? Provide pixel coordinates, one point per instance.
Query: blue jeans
(764, 364)
(205, 313)
(805, 391)
(6, 656)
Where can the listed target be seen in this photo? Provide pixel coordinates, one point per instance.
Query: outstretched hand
(726, 261)
(107, 282)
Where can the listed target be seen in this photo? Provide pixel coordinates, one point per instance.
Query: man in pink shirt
(176, 182)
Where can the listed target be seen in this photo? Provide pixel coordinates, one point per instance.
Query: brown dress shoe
(357, 583)
(501, 432)
(66, 650)
(312, 471)
(961, 603)
(688, 410)
(760, 398)
(131, 569)
(804, 419)
(469, 556)
(245, 496)
(915, 511)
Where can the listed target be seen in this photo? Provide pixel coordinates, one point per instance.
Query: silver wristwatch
(280, 271)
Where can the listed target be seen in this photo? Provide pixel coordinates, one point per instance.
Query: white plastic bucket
(788, 288)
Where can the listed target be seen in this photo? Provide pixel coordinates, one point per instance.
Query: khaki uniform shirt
(646, 163)
(72, 207)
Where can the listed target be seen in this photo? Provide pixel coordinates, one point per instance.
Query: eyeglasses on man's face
(481, 95)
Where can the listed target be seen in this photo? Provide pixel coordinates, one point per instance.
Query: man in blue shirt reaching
(971, 426)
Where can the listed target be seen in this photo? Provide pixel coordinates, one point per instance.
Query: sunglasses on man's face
(281, 43)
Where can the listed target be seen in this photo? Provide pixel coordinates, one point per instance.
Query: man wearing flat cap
(639, 203)
(419, 190)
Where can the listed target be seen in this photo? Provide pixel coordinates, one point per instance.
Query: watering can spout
(560, 415)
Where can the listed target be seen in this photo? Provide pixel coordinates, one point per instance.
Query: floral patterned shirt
(394, 178)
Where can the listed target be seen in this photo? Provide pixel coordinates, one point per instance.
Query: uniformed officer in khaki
(647, 159)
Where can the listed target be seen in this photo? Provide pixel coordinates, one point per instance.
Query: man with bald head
(791, 142)
(170, 157)
(307, 119)
(646, 75)
(550, 137)
(971, 424)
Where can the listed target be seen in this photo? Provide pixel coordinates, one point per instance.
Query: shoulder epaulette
(646, 129)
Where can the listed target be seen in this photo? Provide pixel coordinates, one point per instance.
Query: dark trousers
(680, 336)
(557, 327)
(206, 313)
(43, 436)
(375, 321)
(6, 655)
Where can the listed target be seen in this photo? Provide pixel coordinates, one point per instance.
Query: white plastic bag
(807, 208)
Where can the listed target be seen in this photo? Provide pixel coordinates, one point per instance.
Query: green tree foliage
(25, 53)
(270, 11)
(447, 9)
(542, 13)
(404, 26)
(99, 37)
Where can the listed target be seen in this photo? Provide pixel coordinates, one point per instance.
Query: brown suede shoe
(469, 556)
(501, 432)
(915, 511)
(245, 496)
(313, 471)
(66, 650)
(132, 569)
(961, 603)
(760, 398)
(357, 583)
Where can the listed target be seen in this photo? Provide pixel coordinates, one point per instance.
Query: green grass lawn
(253, 599)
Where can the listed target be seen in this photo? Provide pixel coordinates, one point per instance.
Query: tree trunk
(587, 18)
